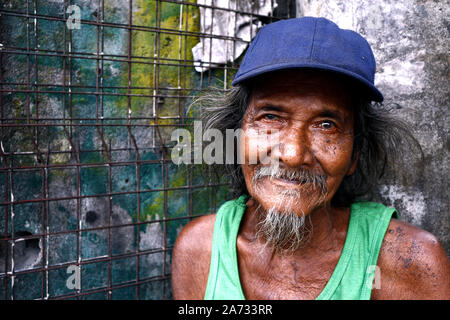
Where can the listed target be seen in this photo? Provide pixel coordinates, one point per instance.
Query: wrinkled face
(309, 118)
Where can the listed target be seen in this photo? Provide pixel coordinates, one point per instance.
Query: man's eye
(270, 116)
(327, 125)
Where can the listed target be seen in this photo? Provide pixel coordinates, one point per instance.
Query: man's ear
(352, 168)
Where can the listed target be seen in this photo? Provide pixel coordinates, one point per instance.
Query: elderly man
(296, 231)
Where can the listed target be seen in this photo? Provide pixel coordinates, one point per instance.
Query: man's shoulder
(409, 244)
(413, 264)
(191, 258)
(197, 234)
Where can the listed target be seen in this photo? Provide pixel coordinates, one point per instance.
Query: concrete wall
(410, 40)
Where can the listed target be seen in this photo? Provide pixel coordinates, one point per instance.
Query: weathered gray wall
(410, 40)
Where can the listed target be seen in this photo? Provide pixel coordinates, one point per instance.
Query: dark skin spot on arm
(413, 265)
(295, 268)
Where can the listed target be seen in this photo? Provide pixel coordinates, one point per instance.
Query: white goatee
(286, 231)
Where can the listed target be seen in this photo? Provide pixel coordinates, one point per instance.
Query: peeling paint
(406, 74)
(412, 202)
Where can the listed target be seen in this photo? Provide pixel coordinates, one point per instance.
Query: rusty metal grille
(90, 201)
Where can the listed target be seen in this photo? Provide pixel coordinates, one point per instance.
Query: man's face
(310, 114)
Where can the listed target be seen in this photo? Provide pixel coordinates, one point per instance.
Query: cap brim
(373, 93)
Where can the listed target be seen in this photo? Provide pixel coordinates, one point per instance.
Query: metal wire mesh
(90, 201)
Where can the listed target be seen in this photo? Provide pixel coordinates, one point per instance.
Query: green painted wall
(101, 203)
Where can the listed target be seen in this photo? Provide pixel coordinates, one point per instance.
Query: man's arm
(191, 259)
(413, 265)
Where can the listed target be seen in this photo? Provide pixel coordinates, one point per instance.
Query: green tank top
(351, 279)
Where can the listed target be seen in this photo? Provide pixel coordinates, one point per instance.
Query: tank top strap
(353, 276)
(223, 281)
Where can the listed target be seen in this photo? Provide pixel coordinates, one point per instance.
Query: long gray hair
(380, 141)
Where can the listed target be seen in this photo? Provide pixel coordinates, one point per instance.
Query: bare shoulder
(191, 258)
(413, 265)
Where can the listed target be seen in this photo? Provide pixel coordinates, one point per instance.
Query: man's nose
(293, 149)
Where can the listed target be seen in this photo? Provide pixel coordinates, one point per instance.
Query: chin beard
(280, 227)
(283, 231)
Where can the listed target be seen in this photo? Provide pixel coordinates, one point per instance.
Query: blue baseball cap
(309, 42)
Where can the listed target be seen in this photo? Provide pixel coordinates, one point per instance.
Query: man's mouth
(296, 180)
(289, 181)
(285, 181)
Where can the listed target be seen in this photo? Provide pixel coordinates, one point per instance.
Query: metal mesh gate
(90, 201)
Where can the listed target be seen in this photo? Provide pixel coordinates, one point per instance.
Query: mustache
(298, 175)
